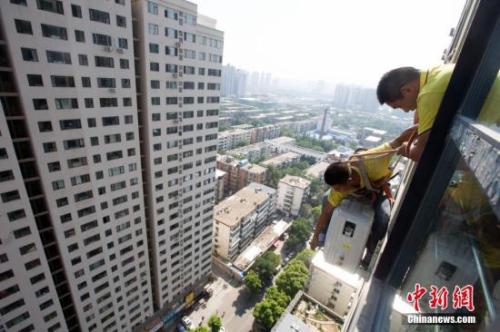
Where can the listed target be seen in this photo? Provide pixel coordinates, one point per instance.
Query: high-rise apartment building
(68, 96)
(78, 234)
(179, 61)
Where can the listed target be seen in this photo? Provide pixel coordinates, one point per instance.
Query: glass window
(35, 80)
(121, 21)
(56, 32)
(99, 16)
(29, 54)
(59, 57)
(54, 6)
(23, 26)
(76, 11)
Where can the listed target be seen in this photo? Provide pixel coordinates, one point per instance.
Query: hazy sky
(351, 41)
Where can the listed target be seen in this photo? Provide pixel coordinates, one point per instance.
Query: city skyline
(335, 39)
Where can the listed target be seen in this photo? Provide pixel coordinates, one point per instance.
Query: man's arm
(403, 137)
(323, 220)
(416, 149)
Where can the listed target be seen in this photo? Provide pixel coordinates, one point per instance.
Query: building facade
(240, 218)
(179, 67)
(292, 191)
(232, 138)
(72, 117)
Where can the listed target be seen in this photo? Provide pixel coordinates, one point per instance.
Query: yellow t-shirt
(433, 84)
(376, 169)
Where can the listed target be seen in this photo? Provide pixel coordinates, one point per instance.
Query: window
(170, 50)
(29, 54)
(103, 61)
(16, 215)
(154, 66)
(83, 60)
(201, 86)
(59, 57)
(125, 83)
(54, 166)
(59, 184)
(169, 32)
(154, 48)
(73, 144)
(123, 43)
(152, 8)
(62, 81)
(10, 196)
(171, 100)
(76, 11)
(40, 104)
(80, 36)
(52, 31)
(77, 162)
(108, 102)
(35, 80)
(49, 147)
(124, 64)
(89, 103)
(106, 82)
(101, 39)
(153, 29)
(99, 16)
(121, 21)
(45, 126)
(23, 26)
(110, 121)
(170, 68)
(86, 82)
(171, 85)
(70, 124)
(66, 103)
(19, 2)
(54, 6)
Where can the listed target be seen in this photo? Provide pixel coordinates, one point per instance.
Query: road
(230, 301)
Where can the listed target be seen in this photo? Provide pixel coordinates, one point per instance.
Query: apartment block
(68, 87)
(282, 160)
(239, 173)
(219, 187)
(178, 64)
(292, 191)
(232, 138)
(260, 134)
(252, 173)
(240, 218)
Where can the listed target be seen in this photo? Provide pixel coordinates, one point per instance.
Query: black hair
(337, 173)
(389, 86)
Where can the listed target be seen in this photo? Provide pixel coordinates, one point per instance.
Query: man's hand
(403, 149)
(403, 137)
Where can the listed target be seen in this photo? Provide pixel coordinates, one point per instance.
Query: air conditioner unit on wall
(108, 49)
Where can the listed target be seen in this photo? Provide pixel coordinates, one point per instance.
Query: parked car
(187, 322)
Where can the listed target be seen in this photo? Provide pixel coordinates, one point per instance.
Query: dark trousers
(382, 209)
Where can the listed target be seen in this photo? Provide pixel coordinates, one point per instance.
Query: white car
(188, 323)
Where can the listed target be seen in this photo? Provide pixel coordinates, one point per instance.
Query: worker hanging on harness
(365, 177)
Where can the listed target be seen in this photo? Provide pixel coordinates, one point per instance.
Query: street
(230, 301)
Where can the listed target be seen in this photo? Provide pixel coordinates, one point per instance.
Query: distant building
(238, 219)
(298, 126)
(333, 286)
(260, 134)
(317, 170)
(229, 139)
(252, 152)
(292, 190)
(371, 141)
(234, 81)
(307, 314)
(219, 186)
(251, 173)
(324, 123)
(283, 160)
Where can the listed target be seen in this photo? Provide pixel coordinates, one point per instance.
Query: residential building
(252, 152)
(251, 173)
(232, 138)
(179, 69)
(282, 160)
(239, 218)
(75, 250)
(260, 134)
(333, 286)
(234, 81)
(317, 171)
(220, 177)
(231, 166)
(325, 123)
(292, 191)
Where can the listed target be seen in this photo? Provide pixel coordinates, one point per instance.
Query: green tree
(200, 329)
(305, 256)
(267, 312)
(214, 323)
(299, 233)
(274, 294)
(316, 212)
(265, 266)
(253, 282)
(305, 210)
(293, 278)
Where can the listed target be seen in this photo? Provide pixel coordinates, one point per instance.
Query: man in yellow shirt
(349, 179)
(410, 89)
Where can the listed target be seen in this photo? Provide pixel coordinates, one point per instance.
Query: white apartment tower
(178, 63)
(74, 249)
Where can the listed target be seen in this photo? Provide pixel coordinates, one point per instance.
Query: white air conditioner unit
(119, 50)
(174, 75)
(112, 90)
(180, 89)
(108, 49)
(177, 44)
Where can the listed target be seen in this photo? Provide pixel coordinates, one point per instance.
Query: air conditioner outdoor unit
(119, 50)
(108, 49)
(177, 44)
(112, 90)
(174, 75)
(181, 74)
(180, 89)
(181, 21)
(181, 57)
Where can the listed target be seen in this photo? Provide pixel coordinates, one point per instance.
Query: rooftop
(234, 208)
(282, 158)
(317, 170)
(219, 173)
(373, 139)
(256, 169)
(295, 181)
(261, 244)
(234, 131)
(282, 140)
